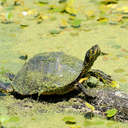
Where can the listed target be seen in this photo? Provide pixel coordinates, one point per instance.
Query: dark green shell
(48, 73)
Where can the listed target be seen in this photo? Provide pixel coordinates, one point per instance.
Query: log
(109, 98)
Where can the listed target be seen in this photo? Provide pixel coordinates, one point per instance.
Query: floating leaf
(119, 70)
(24, 25)
(76, 23)
(69, 8)
(18, 2)
(62, 1)
(106, 2)
(69, 120)
(90, 106)
(55, 8)
(43, 1)
(55, 31)
(102, 19)
(111, 112)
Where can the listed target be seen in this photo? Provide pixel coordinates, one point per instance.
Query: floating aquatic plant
(69, 120)
(111, 112)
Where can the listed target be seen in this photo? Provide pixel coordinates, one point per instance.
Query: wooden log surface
(109, 98)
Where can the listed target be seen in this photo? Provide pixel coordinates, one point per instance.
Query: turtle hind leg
(11, 76)
(5, 88)
(103, 77)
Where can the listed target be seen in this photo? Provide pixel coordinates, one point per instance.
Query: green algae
(39, 114)
(35, 38)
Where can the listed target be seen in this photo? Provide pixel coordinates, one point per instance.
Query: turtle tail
(5, 87)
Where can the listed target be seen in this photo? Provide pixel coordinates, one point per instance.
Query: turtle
(52, 73)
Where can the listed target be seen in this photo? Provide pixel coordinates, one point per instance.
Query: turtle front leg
(103, 77)
(80, 83)
(82, 88)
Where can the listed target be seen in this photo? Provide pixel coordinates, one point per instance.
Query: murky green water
(26, 36)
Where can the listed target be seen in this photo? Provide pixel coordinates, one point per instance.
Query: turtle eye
(92, 54)
(95, 51)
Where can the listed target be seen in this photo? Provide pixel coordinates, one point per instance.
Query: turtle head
(91, 56)
(5, 87)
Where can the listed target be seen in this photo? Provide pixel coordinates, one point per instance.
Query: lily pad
(102, 20)
(106, 2)
(69, 8)
(69, 120)
(43, 1)
(24, 25)
(76, 23)
(62, 1)
(55, 31)
(111, 112)
(55, 8)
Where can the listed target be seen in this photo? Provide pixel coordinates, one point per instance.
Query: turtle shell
(48, 73)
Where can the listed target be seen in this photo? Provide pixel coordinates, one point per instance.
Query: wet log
(109, 98)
